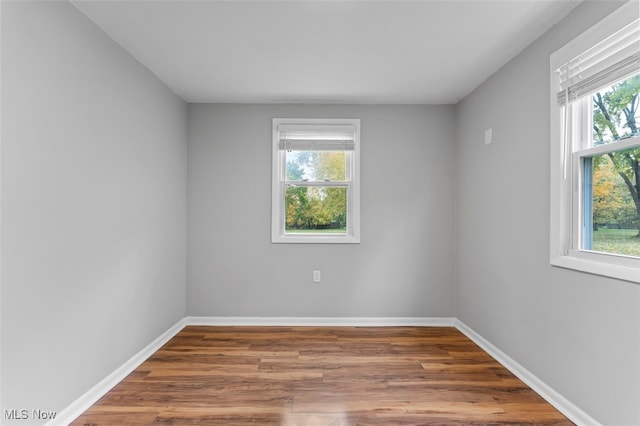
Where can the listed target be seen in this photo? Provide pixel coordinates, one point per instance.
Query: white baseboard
(563, 405)
(323, 321)
(83, 403)
(554, 398)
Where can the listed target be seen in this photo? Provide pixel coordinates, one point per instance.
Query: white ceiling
(425, 52)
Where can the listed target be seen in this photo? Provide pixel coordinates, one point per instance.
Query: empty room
(320, 212)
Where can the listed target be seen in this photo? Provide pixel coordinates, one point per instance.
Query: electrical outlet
(316, 276)
(488, 136)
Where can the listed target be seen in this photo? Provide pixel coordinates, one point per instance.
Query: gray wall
(403, 266)
(578, 333)
(93, 206)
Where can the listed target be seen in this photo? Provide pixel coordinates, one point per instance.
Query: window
(315, 181)
(595, 149)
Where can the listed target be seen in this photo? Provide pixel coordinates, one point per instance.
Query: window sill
(618, 267)
(314, 239)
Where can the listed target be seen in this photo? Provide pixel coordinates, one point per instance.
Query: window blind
(311, 137)
(610, 60)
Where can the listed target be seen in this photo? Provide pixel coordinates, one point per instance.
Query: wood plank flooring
(321, 376)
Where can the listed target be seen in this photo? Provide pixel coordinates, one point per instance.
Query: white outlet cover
(488, 136)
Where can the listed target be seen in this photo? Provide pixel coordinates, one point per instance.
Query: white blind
(316, 137)
(610, 60)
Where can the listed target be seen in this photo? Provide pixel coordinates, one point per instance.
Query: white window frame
(278, 184)
(567, 160)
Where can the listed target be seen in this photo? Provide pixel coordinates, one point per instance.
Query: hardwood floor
(321, 376)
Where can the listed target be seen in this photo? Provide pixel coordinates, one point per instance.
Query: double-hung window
(315, 181)
(595, 149)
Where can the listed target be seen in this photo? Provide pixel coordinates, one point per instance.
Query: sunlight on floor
(335, 418)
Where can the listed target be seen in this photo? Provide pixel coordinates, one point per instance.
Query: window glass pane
(616, 112)
(317, 165)
(615, 215)
(315, 209)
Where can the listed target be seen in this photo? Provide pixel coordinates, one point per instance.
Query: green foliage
(612, 202)
(316, 207)
(616, 111)
(618, 241)
(615, 117)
